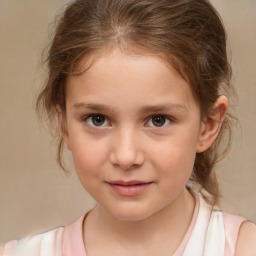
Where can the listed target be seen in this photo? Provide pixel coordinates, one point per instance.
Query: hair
(188, 33)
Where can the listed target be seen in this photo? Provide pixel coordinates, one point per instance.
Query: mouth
(129, 188)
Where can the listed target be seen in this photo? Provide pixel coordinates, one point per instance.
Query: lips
(129, 188)
(127, 183)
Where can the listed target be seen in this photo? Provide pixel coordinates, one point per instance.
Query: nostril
(126, 151)
(127, 161)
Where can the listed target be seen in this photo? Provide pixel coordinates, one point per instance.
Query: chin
(129, 217)
(130, 213)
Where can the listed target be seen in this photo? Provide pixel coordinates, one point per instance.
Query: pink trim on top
(184, 242)
(73, 244)
(72, 240)
(232, 224)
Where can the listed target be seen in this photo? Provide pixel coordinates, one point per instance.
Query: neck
(167, 225)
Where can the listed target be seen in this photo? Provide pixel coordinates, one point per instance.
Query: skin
(128, 94)
(246, 245)
(129, 146)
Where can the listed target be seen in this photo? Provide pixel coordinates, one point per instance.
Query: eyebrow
(144, 109)
(95, 107)
(163, 107)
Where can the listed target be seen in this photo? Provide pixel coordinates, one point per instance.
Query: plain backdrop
(35, 195)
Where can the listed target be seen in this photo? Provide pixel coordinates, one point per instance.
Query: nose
(127, 150)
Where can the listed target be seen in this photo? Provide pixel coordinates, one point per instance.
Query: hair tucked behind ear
(188, 33)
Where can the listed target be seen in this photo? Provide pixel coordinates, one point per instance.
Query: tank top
(211, 232)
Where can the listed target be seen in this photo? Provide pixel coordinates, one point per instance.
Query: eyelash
(89, 120)
(91, 116)
(167, 121)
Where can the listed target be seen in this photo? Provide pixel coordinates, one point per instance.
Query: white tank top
(214, 234)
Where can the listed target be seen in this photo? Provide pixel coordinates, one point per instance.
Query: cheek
(88, 156)
(176, 161)
(87, 161)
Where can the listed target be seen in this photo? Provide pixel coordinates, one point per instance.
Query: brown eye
(96, 120)
(158, 121)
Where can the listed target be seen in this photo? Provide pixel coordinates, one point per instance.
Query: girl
(139, 89)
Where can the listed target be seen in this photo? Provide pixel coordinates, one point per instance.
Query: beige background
(34, 194)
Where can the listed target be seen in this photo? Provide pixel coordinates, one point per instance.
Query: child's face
(133, 127)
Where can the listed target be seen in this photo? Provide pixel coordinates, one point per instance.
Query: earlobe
(211, 126)
(63, 126)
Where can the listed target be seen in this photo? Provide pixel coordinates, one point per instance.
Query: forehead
(140, 77)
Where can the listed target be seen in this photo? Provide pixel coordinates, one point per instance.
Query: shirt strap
(45, 244)
(208, 236)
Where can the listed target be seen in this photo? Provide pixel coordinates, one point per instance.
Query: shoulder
(246, 241)
(48, 243)
(8, 248)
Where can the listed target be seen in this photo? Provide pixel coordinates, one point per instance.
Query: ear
(63, 126)
(210, 127)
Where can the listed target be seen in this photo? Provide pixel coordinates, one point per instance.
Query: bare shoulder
(246, 242)
(1, 250)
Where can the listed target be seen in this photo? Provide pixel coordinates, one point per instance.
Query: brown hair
(189, 33)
